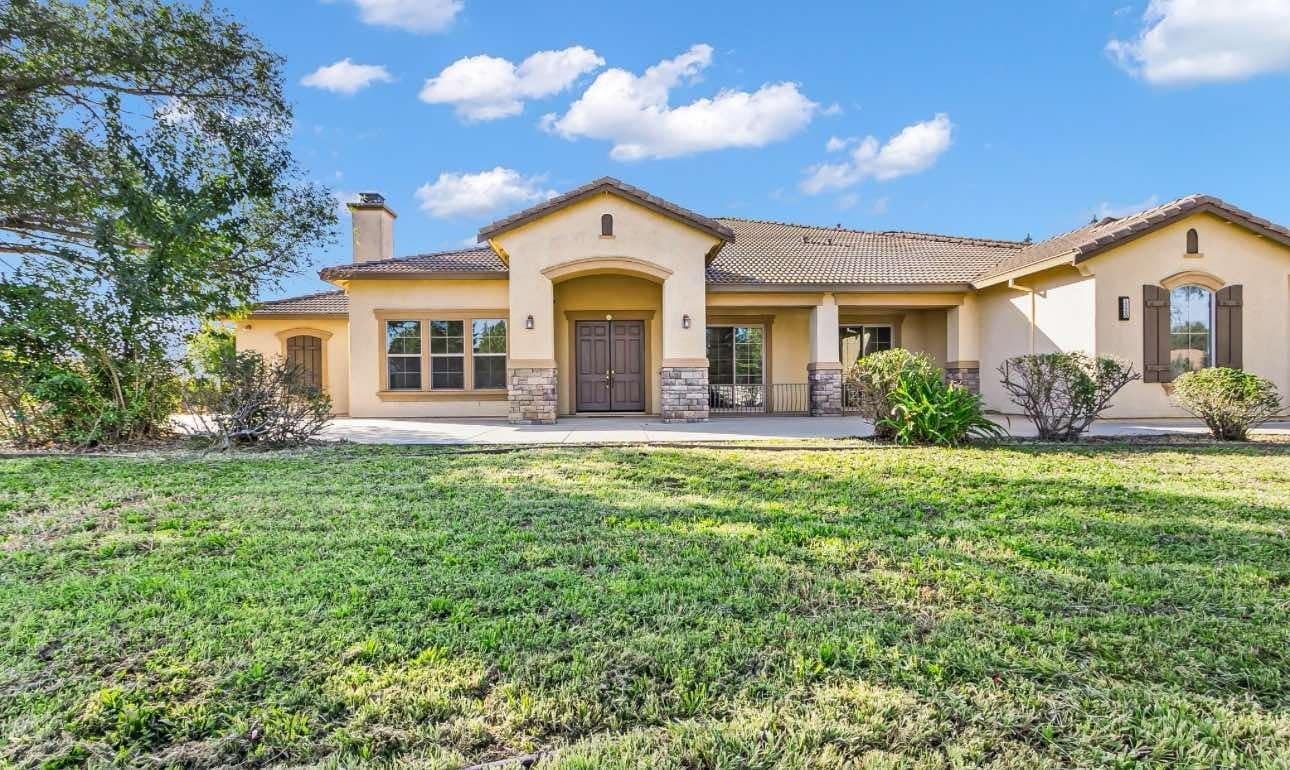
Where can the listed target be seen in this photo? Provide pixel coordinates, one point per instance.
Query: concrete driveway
(648, 430)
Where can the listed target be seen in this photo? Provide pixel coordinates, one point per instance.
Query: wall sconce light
(528, 322)
(1124, 308)
(685, 321)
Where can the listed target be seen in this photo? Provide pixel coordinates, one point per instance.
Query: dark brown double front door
(610, 361)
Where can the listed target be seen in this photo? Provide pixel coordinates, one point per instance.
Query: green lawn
(650, 608)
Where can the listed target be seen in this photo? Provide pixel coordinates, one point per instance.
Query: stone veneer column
(685, 393)
(965, 373)
(532, 396)
(825, 381)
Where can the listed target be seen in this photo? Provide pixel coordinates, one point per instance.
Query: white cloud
(838, 144)
(456, 194)
(487, 87)
(412, 15)
(1106, 209)
(632, 111)
(346, 77)
(916, 148)
(1193, 41)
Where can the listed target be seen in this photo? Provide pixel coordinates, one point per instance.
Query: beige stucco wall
(1063, 305)
(366, 378)
(572, 234)
(1231, 253)
(610, 295)
(268, 337)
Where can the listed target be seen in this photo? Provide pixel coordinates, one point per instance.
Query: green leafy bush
(927, 411)
(1063, 393)
(1230, 401)
(876, 376)
(254, 400)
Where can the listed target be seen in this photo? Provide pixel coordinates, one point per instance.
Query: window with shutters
(606, 225)
(1193, 242)
(1191, 329)
(304, 351)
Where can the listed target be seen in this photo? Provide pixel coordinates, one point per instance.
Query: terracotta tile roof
(480, 260)
(608, 184)
(1084, 242)
(780, 254)
(321, 303)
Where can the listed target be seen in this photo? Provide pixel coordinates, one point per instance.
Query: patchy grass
(649, 608)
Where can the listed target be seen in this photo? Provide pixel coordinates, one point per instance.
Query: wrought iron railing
(851, 398)
(785, 398)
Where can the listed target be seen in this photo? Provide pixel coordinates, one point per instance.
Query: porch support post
(824, 367)
(963, 344)
(530, 365)
(683, 377)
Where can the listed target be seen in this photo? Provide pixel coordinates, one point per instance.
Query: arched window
(606, 225)
(1191, 329)
(1193, 242)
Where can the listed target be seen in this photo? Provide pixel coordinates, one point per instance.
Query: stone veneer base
(968, 377)
(532, 396)
(685, 394)
(826, 391)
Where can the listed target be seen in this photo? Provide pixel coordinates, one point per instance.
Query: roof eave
(1065, 258)
(951, 287)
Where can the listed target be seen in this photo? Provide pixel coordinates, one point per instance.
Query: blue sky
(1006, 119)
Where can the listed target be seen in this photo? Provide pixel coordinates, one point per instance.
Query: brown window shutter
(1155, 334)
(1228, 327)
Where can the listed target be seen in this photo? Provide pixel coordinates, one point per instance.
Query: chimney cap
(369, 200)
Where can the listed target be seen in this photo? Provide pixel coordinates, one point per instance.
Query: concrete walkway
(648, 430)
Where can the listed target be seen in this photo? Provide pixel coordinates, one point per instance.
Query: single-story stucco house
(607, 299)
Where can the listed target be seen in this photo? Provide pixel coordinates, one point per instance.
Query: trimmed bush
(254, 400)
(1063, 393)
(876, 376)
(927, 411)
(1230, 401)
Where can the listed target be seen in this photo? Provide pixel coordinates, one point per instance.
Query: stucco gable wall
(1228, 251)
(573, 233)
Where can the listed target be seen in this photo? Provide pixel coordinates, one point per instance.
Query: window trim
(309, 331)
(426, 392)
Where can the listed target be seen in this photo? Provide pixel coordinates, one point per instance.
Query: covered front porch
(776, 353)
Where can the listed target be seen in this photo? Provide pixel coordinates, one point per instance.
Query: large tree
(145, 179)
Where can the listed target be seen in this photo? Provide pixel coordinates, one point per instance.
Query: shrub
(927, 411)
(1063, 393)
(1230, 401)
(78, 404)
(876, 376)
(254, 400)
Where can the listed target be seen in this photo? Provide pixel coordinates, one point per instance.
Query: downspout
(1012, 284)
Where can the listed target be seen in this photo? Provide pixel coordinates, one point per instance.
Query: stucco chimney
(373, 224)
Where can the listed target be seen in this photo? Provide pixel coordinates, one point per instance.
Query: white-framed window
(403, 355)
(855, 341)
(1191, 329)
(447, 355)
(488, 351)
